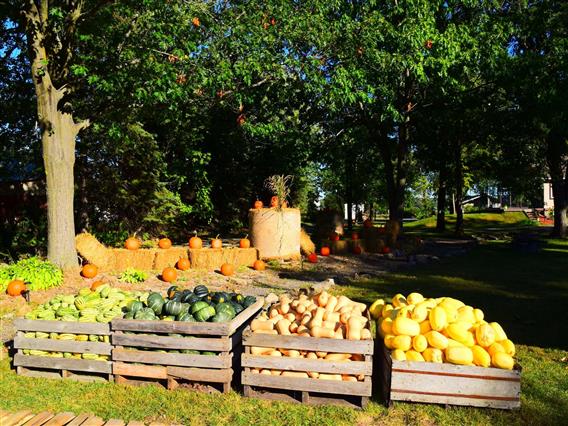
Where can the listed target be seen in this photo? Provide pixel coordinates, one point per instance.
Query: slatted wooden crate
(135, 363)
(447, 383)
(44, 366)
(307, 390)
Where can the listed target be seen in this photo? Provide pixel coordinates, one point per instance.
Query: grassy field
(526, 293)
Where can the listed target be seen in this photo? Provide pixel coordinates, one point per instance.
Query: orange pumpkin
(169, 275)
(96, 284)
(16, 288)
(313, 258)
(274, 201)
(385, 250)
(354, 236)
(334, 236)
(132, 243)
(357, 250)
(227, 269)
(325, 251)
(89, 271)
(216, 242)
(259, 265)
(244, 242)
(258, 204)
(165, 243)
(183, 264)
(195, 242)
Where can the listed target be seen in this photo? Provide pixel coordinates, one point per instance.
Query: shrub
(36, 273)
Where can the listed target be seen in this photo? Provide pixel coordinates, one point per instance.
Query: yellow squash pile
(441, 330)
(322, 316)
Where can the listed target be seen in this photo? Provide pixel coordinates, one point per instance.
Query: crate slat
(99, 348)
(62, 363)
(201, 374)
(207, 361)
(98, 328)
(304, 364)
(315, 344)
(310, 385)
(244, 315)
(207, 328)
(221, 344)
(148, 371)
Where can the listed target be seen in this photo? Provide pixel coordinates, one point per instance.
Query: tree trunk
(58, 133)
(349, 193)
(441, 207)
(459, 231)
(557, 158)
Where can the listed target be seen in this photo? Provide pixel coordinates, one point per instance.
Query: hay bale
(239, 256)
(94, 251)
(206, 258)
(338, 247)
(356, 243)
(307, 246)
(169, 257)
(138, 259)
(276, 234)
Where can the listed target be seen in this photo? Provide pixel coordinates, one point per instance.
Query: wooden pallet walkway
(45, 418)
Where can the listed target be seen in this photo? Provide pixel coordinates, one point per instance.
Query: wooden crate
(44, 366)
(133, 363)
(307, 390)
(447, 383)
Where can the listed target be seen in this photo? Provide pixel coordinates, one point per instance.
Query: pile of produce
(36, 273)
(441, 330)
(67, 336)
(99, 305)
(186, 305)
(321, 315)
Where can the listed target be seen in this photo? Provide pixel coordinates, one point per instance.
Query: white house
(548, 198)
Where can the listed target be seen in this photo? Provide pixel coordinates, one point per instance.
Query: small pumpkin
(385, 250)
(165, 243)
(357, 250)
(132, 243)
(169, 275)
(227, 269)
(325, 251)
(244, 242)
(89, 271)
(195, 242)
(183, 264)
(97, 284)
(274, 201)
(258, 204)
(334, 236)
(313, 258)
(16, 288)
(354, 236)
(216, 242)
(259, 265)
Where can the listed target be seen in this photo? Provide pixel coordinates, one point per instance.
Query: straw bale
(206, 258)
(169, 257)
(94, 251)
(138, 259)
(338, 247)
(307, 246)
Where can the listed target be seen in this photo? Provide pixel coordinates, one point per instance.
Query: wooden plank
(210, 361)
(93, 421)
(202, 374)
(39, 419)
(464, 371)
(310, 385)
(99, 348)
(208, 328)
(77, 421)
(63, 363)
(441, 398)
(16, 418)
(149, 371)
(114, 422)
(314, 344)
(245, 315)
(60, 419)
(222, 344)
(135, 423)
(31, 372)
(62, 326)
(303, 364)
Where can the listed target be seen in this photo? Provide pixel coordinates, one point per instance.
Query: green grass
(526, 293)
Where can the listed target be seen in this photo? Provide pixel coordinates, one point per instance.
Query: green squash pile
(197, 305)
(101, 305)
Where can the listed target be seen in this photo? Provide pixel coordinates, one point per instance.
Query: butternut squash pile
(322, 316)
(441, 330)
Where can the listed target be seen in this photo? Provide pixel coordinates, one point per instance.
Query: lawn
(526, 293)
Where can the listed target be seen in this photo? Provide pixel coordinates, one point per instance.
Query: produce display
(441, 330)
(198, 305)
(322, 316)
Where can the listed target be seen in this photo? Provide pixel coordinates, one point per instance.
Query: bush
(36, 273)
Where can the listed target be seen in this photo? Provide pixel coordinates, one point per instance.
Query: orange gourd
(96, 285)
(258, 204)
(244, 242)
(259, 265)
(16, 288)
(183, 264)
(165, 243)
(169, 275)
(216, 242)
(132, 243)
(325, 251)
(227, 269)
(89, 271)
(195, 242)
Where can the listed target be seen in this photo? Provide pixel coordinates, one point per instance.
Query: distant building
(548, 198)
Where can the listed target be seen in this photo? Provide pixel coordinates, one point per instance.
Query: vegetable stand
(169, 352)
